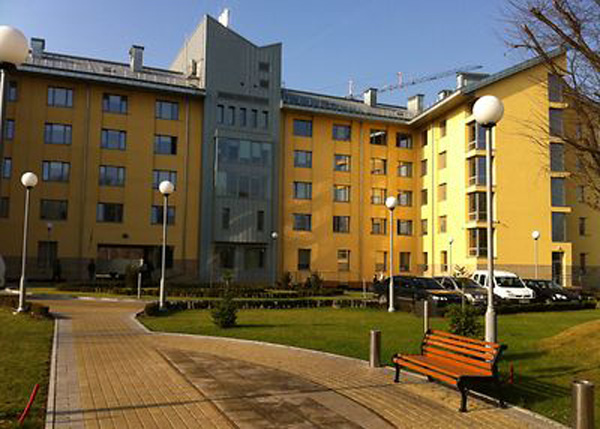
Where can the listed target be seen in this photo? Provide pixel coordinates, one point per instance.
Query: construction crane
(416, 81)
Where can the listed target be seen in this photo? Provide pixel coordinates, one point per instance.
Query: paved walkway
(111, 372)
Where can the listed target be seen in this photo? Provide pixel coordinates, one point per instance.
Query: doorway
(557, 267)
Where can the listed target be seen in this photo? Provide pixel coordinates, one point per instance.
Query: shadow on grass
(279, 325)
(515, 357)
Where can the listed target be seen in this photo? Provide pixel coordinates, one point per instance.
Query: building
(250, 159)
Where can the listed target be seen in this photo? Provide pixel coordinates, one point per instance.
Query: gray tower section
(240, 152)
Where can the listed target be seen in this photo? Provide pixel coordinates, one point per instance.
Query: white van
(507, 285)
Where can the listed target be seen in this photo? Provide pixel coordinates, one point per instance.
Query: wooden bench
(455, 360)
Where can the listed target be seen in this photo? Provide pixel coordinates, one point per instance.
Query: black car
(473, 292)
(549, 291)
(415, 289)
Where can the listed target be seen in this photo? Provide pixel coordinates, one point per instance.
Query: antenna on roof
(224, 18)
(350, 89)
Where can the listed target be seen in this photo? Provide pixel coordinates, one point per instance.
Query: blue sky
(325, 42)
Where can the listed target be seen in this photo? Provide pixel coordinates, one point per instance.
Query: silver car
(473, 292)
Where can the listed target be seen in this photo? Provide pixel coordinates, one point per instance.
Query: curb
(50, 404)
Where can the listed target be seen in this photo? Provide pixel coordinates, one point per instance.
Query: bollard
(139, 285)
(425, 315)
(375, 352)
(582, 416)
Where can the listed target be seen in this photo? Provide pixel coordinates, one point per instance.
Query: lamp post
(13, 52)
(29, 180)
(450, 242)
(535, 235)
(391, 202)
(166, 188)
(488, 110)
(274, 237)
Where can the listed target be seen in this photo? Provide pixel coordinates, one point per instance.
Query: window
(159, 176)
(555, 88)
(378, 166)
(341, 193)
(4, 207)
(55, 171)
(559, 227)
(225, 217)
(53, 209)
(424, 140)
(378, 226)
(303, 259)
(343, 260)
(254, 258)
(443, 128)
(341, 224)
(423, 167)
(403, 141)
(380, 261)
(405, 198)
(302, 190)
(557, 157)
(113, 139)
(57, 134)
(378, 195)
(405, 169)
(378, 137)
(220, 114)
(167, 110)
(580, 192)
(477, 206)
(243, 116)
(264, 83)
(424, 227)
(9, 129)
(444, 260)
(583, 263)
(404, 261)
(156, 216)
(302, 222)
(558, 195)
(476, 136)
(60, 97)
(423, 197)
(556, 122)
(341, 132)
(341, 163)
(12, 91)
(254, 118)
(442, 192)
(477, 242)
(165, 145)
(111, 176)
(302, 159)
(264, 66)
(264, 121)
(425, 265)
(260, 220)
(442, 224)
(47, 253)
(582, 226)
(226, 257)
(6, 168)
(477, 173)
(230, 116)
(303, 128)
(442, 160)
(109, 212)
(114, 103)
(405, 227)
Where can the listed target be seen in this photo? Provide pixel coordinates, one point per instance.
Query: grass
(26, 344)
(547, 350)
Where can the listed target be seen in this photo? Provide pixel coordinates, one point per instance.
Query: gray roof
(110, 72)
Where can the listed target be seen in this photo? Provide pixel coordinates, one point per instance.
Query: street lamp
(13, 52)
(450, 242)
(535, 235)
(391, 202)
(29, 180)
(274, 237)
(488, 110)
(166, 188)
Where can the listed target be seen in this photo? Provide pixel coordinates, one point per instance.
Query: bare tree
(545, 28)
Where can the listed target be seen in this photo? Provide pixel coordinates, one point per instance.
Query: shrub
(286, 280)
(314, 281)
(224, 315)
(465, 321)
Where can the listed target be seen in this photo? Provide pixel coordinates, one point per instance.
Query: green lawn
(25, 346)
(547, 350)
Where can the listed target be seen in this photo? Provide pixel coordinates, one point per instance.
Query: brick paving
(112, 373)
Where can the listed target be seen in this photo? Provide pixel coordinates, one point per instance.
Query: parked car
(507, 286)
(473, 292)
(416, 288)
(549, 291)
